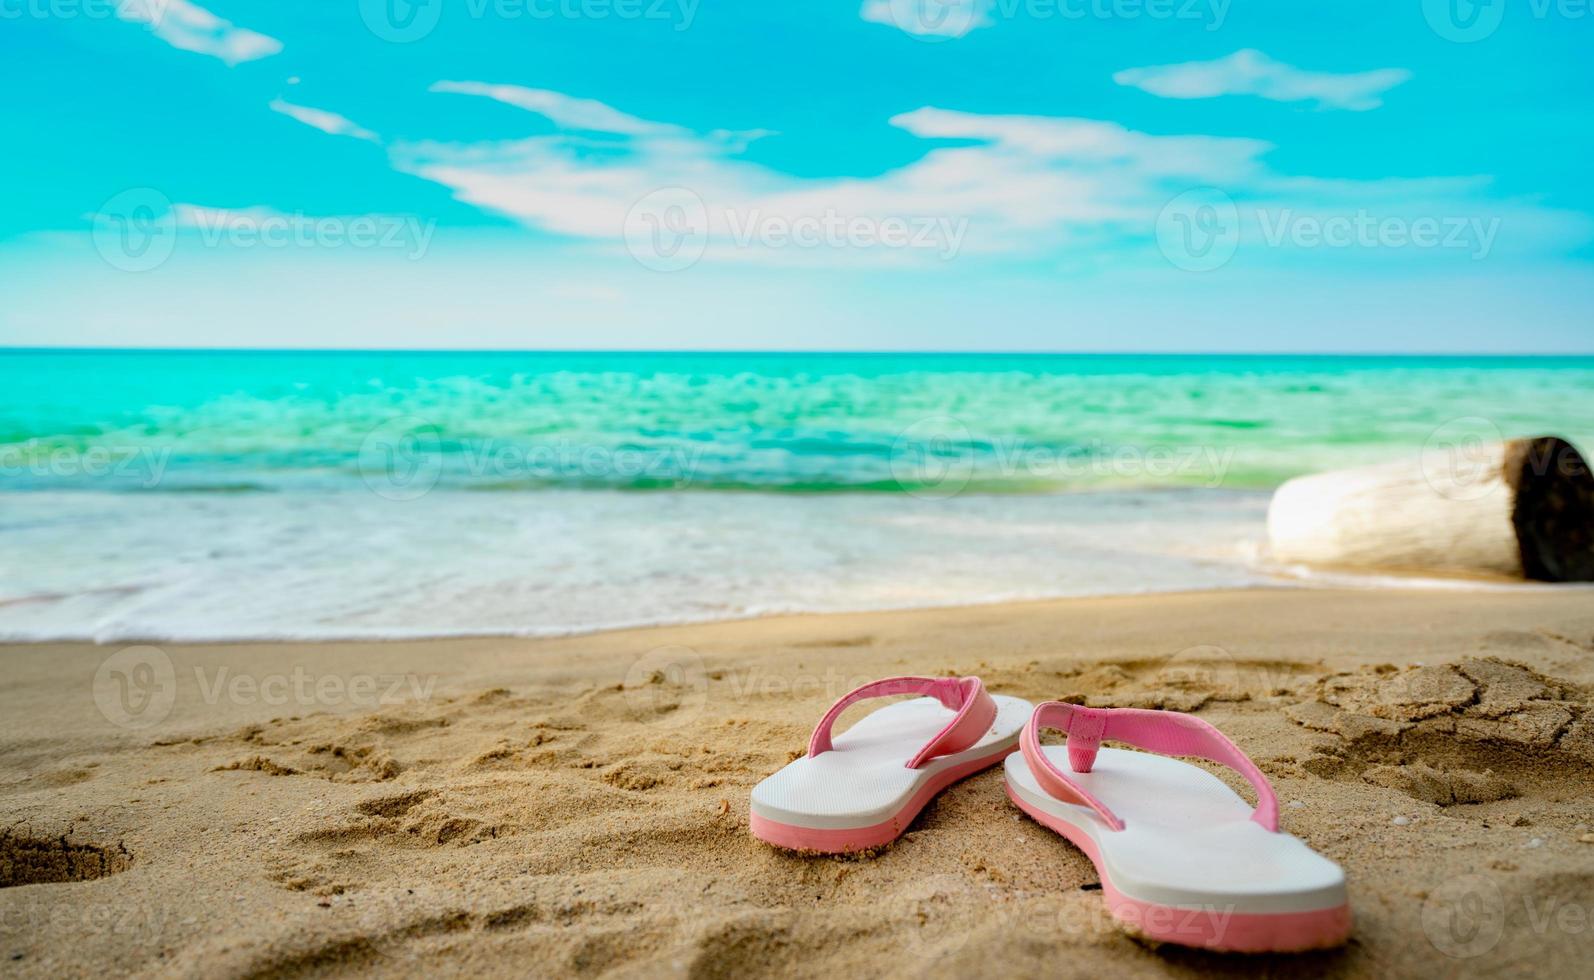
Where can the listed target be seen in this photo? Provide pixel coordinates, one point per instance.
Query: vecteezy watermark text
(939, 20)
(673, 685)
(406, 21)
(277, 230)
(143, 11)
(940, 234)
(403, 459)
(144, 466)
(301, 688)
(1363, 229)
(1201, 229)
(1210, 13)
(138, 229)
(938, 457)
(678, 13)
(670, 228)
(137, 687)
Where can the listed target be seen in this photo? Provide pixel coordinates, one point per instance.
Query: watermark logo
(667, 685)
(931, 459)
(929, 20)
(401, 21)
(401, 459)
(136, 230)
(1465, 916)
(1199, 230)
(667, 229)
(1460, 459)
(136, 687)
(1464, 21)
(1203, 668)
(934, 905)
(1469, 21)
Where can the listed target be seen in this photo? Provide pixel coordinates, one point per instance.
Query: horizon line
(861, 352)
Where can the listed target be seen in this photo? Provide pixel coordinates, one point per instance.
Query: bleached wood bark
(1522, 508)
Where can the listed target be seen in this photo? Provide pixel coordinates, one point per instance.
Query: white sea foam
(348, 565)
(116, 567)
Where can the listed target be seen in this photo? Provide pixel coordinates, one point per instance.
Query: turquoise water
(236, 496)
(241, 421)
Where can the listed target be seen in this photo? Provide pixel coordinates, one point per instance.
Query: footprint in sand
(1475, 731)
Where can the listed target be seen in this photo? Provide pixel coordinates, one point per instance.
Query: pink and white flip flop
(1182, 858)
(864, 787)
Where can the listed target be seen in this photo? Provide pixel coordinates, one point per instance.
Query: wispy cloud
(1052, 188)
(1250, 72)
(327, 122)
(562, 110)
(189, 27)
(929, 18)
(1029, 180)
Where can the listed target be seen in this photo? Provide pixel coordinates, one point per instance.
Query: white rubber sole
(862, 790)
(1190, 866)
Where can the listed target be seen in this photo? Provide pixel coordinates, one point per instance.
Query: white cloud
(189, 27)
(1049, 188)
(1029, 181)
(562, 110)
(1251, 72)
(929, 18)
(327, 122)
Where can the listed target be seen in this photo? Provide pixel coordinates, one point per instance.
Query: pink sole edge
(852, 839)
(1206, 928)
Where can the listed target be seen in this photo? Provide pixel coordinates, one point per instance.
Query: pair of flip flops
(1182, 857)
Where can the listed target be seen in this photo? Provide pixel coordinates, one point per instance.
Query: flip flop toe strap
(975, 711)
(1162, 732)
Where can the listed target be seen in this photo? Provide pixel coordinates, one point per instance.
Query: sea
(256, 495)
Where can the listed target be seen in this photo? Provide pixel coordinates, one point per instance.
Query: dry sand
(579, 806)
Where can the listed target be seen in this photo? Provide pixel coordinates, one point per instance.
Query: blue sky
(1193, 175)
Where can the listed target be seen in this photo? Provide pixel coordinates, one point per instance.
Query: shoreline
(549, 801)
(1280, 579)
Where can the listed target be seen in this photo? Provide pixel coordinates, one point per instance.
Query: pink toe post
(975, 712)
(1174, 734)
(1162, 732)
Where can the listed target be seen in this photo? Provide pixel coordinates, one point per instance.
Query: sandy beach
(579, 806)
(454, 455)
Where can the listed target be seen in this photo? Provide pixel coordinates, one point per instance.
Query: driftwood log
(1522, 508)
